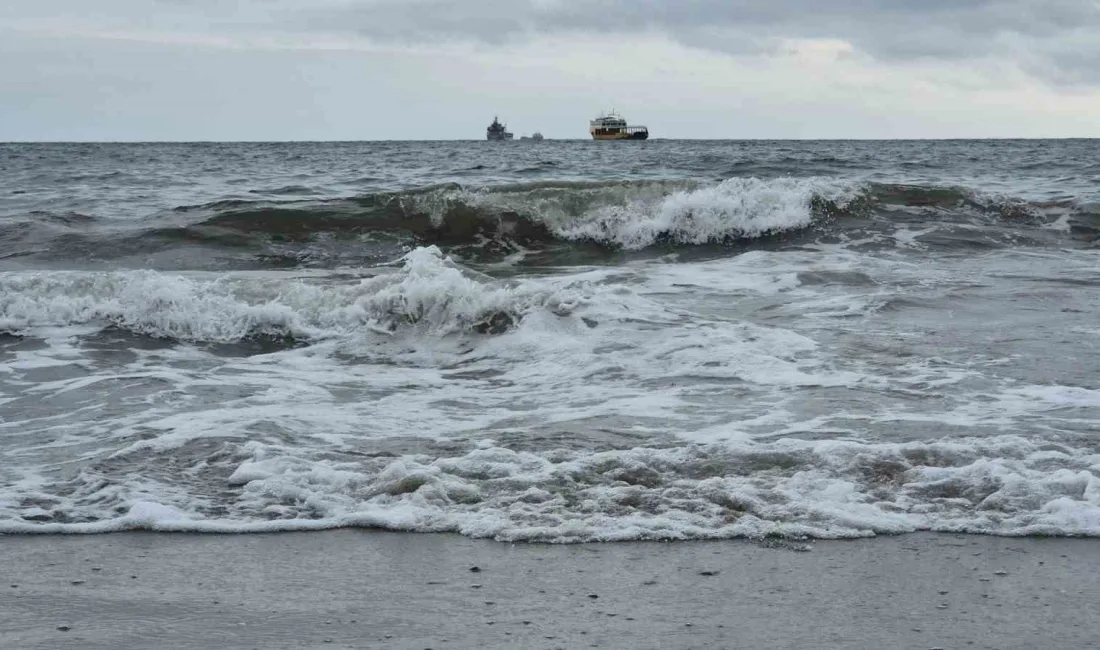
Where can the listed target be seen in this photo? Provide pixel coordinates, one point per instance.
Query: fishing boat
(497, 131)
(612, 126)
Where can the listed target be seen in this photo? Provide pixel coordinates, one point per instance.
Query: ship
(496, 131)
(536, 137)
(611, 126)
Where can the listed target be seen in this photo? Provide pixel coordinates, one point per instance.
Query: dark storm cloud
(1051, 36)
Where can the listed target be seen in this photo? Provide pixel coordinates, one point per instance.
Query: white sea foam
(734, 208)
(429, 293)
(1005, 485)
(619, 405)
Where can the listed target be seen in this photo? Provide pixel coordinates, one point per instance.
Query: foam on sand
(1005, 485)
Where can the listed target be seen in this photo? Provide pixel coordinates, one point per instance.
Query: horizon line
(545, 139)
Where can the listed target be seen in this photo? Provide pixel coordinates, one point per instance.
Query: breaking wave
(629, 215)
(429, 293)
(604, 215)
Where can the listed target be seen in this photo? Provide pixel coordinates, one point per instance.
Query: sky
(131, 70)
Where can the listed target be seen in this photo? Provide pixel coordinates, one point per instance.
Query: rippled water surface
(557, 340)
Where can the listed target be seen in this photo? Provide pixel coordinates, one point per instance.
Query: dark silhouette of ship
(497, 131)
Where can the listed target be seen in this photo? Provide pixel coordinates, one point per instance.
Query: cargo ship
(496, 131)
(613, 127)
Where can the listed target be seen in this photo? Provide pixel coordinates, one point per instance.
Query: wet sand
(369, 589)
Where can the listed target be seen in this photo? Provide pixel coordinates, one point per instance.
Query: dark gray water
(565, 340)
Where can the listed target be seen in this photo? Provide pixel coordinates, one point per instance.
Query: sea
(558, 341)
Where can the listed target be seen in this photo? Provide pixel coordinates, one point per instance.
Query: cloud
(382, 69)
(1053, 38)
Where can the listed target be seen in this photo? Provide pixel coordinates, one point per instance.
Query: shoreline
(359, 588)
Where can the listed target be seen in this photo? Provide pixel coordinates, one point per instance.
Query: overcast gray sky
(441, 69)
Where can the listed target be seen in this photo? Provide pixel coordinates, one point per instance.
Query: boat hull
(640, 135)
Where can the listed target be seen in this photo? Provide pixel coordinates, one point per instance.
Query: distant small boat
(535, 136)
(497, 131)
(613, 127)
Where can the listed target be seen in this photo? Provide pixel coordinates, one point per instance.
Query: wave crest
(429, 293)
(586, 217)
(737, 208)
(628, 215)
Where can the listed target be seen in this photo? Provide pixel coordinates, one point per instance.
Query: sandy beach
(367, 589)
